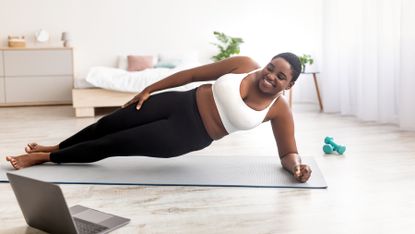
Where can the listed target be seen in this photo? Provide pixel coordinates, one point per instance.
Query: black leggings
(167, 125)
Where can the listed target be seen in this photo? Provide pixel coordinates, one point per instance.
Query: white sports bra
(233, 111)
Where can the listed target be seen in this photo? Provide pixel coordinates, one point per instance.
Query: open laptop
(44, 207)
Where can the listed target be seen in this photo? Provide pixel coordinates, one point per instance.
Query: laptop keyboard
(88, 227)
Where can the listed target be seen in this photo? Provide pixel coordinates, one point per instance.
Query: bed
(112, 87)
(85, 100)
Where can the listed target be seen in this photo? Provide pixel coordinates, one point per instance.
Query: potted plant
(227, 46)
(304, 60)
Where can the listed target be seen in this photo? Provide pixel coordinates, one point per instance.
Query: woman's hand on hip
(139, 98)
(302, 172)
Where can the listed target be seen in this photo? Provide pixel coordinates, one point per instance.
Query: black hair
(294, 61)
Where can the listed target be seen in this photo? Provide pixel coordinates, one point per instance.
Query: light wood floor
(371, 188)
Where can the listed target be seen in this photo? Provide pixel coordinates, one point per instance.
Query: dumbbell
(330, 146)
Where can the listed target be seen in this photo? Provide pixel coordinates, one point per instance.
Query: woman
(174, 123)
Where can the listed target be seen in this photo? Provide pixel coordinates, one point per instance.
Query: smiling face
(275, 77)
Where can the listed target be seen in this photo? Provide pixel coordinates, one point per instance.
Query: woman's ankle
(45, 157)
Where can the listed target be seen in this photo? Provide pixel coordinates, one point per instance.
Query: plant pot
(303, 68)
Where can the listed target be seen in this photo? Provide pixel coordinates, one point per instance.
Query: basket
(16, 42)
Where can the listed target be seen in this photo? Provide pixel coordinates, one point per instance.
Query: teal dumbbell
(330, 146)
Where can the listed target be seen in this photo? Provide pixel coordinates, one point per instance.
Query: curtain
(368, 57)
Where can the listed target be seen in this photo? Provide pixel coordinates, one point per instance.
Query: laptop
(44, 207)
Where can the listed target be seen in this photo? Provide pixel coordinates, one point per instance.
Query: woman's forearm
(289, 161)
(177, 79)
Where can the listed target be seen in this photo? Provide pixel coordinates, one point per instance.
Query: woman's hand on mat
(139, 98)
(302, 172)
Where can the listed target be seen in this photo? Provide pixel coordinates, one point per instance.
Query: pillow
(167, 63)
(123, 64)
(139, 63)
(179, 59)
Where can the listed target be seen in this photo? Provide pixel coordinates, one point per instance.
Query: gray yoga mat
(215, 171)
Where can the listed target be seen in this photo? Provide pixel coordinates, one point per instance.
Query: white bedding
(81, 83)
(125, 81)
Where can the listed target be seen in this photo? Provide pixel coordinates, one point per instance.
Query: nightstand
(314, 75)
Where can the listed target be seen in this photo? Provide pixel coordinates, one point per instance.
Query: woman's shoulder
(280, 109)
(243, 64)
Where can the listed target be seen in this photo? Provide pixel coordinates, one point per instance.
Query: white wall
(103, 29)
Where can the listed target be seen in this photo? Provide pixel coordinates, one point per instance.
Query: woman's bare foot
(27, 160)
(34, 147)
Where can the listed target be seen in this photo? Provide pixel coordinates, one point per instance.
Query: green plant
(228, 46)
(304, 60)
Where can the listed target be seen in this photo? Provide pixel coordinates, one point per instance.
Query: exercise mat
(188, 170)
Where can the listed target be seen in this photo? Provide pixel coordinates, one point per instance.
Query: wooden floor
(371, 188)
